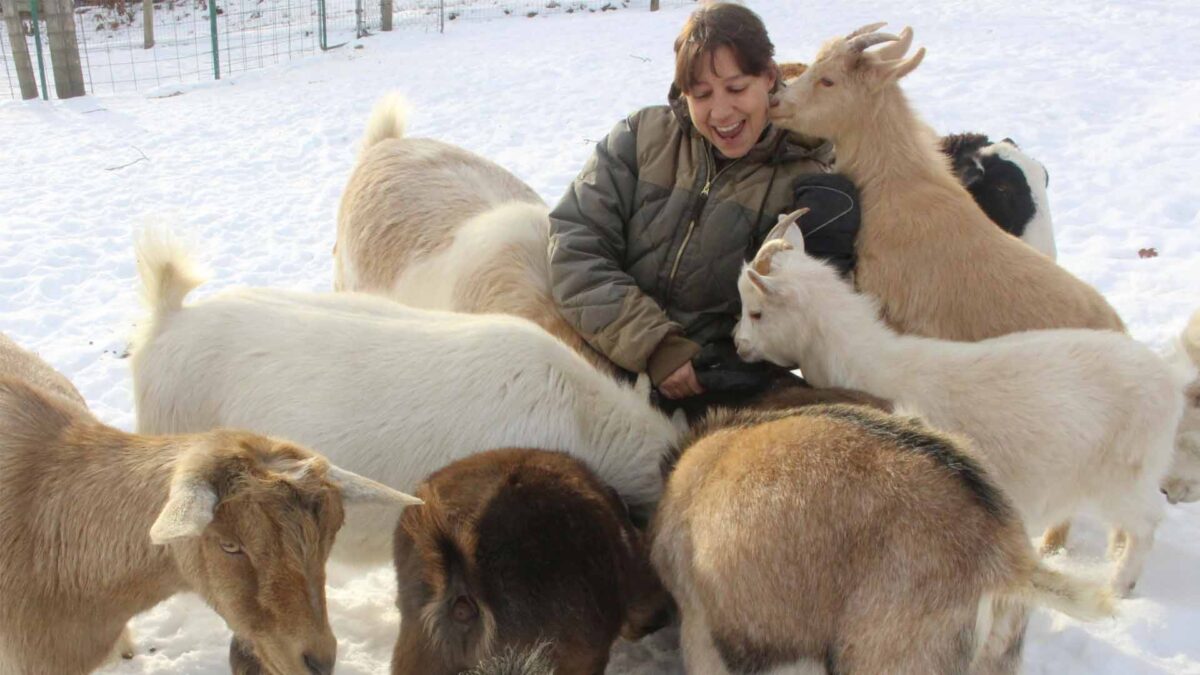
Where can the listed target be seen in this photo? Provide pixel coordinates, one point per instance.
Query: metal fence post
(385, 10)
(358, 18)
(37, 43)
(322, 26)
(441, 16)
(212, 27)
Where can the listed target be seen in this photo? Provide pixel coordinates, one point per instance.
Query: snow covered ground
(251, 169)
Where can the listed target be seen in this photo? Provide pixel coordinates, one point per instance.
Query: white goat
(98, 525)
(1058, 416)
(390, 391)
(432, 225)
(1183, 480)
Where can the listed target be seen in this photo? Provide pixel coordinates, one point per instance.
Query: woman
(647, 243)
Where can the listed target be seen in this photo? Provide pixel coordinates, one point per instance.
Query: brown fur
(405, 201)
(526, 547)
(937, 264)
(79, 499)
(790, 71)
(840, 537)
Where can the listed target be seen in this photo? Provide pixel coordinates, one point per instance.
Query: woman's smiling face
(728, 106)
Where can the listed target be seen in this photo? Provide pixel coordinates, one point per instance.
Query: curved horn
(785, 220)
(869, 28)
(897, 50)
(862, 42)
(762, 261)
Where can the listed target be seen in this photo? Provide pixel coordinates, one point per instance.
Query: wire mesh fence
(191, 41)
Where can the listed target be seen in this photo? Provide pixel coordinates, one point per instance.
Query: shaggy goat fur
(435, 226)
(1058, 417)
(837, 539)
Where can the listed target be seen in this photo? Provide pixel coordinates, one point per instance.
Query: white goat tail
(1076, 598)
(167, 272)
(388, 120)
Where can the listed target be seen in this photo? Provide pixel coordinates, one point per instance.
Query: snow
(250, 169)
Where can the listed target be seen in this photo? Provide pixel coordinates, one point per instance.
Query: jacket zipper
(699, 206)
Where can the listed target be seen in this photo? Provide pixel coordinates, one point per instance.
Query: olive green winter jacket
(647, 244)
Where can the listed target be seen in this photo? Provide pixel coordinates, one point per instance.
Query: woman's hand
(682, 383)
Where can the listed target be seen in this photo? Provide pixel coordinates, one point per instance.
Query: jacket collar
(776, 146)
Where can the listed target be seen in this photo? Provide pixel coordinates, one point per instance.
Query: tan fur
(826, 536)
(77, 502)
(938, 265)
(406, 201)
(19, 363)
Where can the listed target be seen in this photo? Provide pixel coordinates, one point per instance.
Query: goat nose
(318, 667)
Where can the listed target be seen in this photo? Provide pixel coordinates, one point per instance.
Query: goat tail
(167, 272)
(387, 120)
(1083, 600)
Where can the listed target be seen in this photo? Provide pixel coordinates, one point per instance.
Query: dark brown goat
(517, 548)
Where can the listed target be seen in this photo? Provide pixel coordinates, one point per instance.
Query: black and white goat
(1009, 185)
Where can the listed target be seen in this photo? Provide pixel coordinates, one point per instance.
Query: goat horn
(869, 28)
(762, 261)
(862, 42)
(897, 50)
(782, 224)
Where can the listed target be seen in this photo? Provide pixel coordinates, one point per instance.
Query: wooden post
(64, 49)
(653, 5)
(147, 24)
(385, 9)
(20, 49)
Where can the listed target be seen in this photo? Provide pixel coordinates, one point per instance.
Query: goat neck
(117, 482)
(888, 148)
(847, 346)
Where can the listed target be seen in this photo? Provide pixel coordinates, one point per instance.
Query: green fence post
(212, 27)
(321, 26)
(37, 42)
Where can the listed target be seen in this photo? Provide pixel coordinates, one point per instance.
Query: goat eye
(826, 82)
(230, 547)
(755, 316)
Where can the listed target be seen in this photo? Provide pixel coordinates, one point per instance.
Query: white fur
(1059, 417)
(1039, 232)
(1182, 483)
(387, 391)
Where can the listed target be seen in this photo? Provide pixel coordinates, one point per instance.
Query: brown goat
(516, 548)
(840, 539)
(99, 525)
(938, 265)
(22, 364)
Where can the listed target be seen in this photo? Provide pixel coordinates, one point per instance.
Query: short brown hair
(722, 24)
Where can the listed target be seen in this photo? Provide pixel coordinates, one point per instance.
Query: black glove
(719, 369)
(831, 224)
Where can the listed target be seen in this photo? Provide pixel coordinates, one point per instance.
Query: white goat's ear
(356, 489)
(762, 283)
(899, 70)
(792, 235)
(189, 509)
